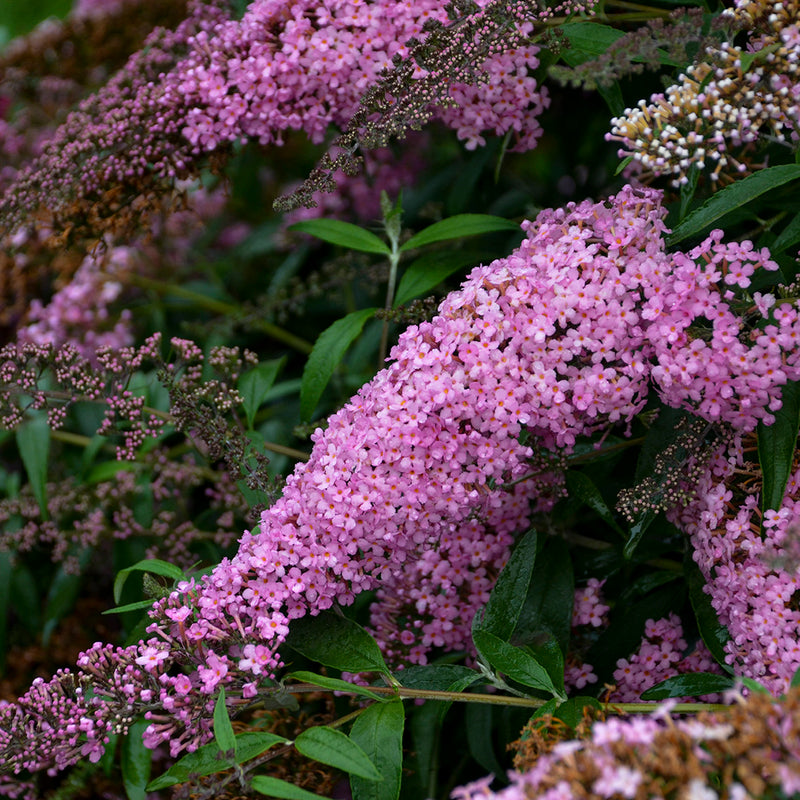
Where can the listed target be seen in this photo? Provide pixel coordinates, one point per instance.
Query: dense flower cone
(407, 487)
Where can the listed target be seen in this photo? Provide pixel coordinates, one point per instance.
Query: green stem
(221, 307)
(71, 438)
(392, 226)
(431, 694)
(505, 700)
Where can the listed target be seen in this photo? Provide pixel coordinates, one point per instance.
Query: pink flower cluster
(284, 66)
(661, 655)
(588, 609)
(406, 490)
(79, 312)
(750, 563)
(304, 65)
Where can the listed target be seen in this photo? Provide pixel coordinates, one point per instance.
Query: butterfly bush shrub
(567, 493)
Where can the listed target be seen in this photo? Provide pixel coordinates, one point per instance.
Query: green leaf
(135, 761)
(569, 712)
(747, 59)
(208, 759)
(512, 661)
(223, 730)
(548, 606)
(732, 197)
(776, 447)
(582, 488)
(62, 595)
(5, 596)
(275, 787)
(714, 634)
(378, 731)
(458, 227)
(437, 677)
(691, 685)
(428, 271)
(688, 189)
(332, 747)
(499, 616)
(108, 470)
(481, 736)
(613, 97)
(336, 641)
(343, 233)
(587, 40)
(334, 684)
(753, 685)
(547, 652)
(26, 599)
(636, 532)
(154, 565)
(255, 384)
(795, 681)
(426, 727)
(328, 351)
(440, 678)
(139, 604)
(789, 236)
(622, 164)
(253, 743)
(33, 443)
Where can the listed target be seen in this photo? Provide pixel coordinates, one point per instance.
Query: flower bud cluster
(81, 516)
(732, 99)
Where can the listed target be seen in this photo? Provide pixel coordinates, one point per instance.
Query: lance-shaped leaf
(499, 616)
(277, 787)
(458, 227)
(223, 730)
(582, 488)
(738, 194)
(513, 662)
(328, 351)
(154, 565)
(209, 759)
(714, 634)
(692, 685)
(343, 233)
(428, 271)
(776, 447)
(135, 761)
(33, 443)
(254, 385)
(332, 747)
(334, 684)
(378, 731)
(336, 641)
